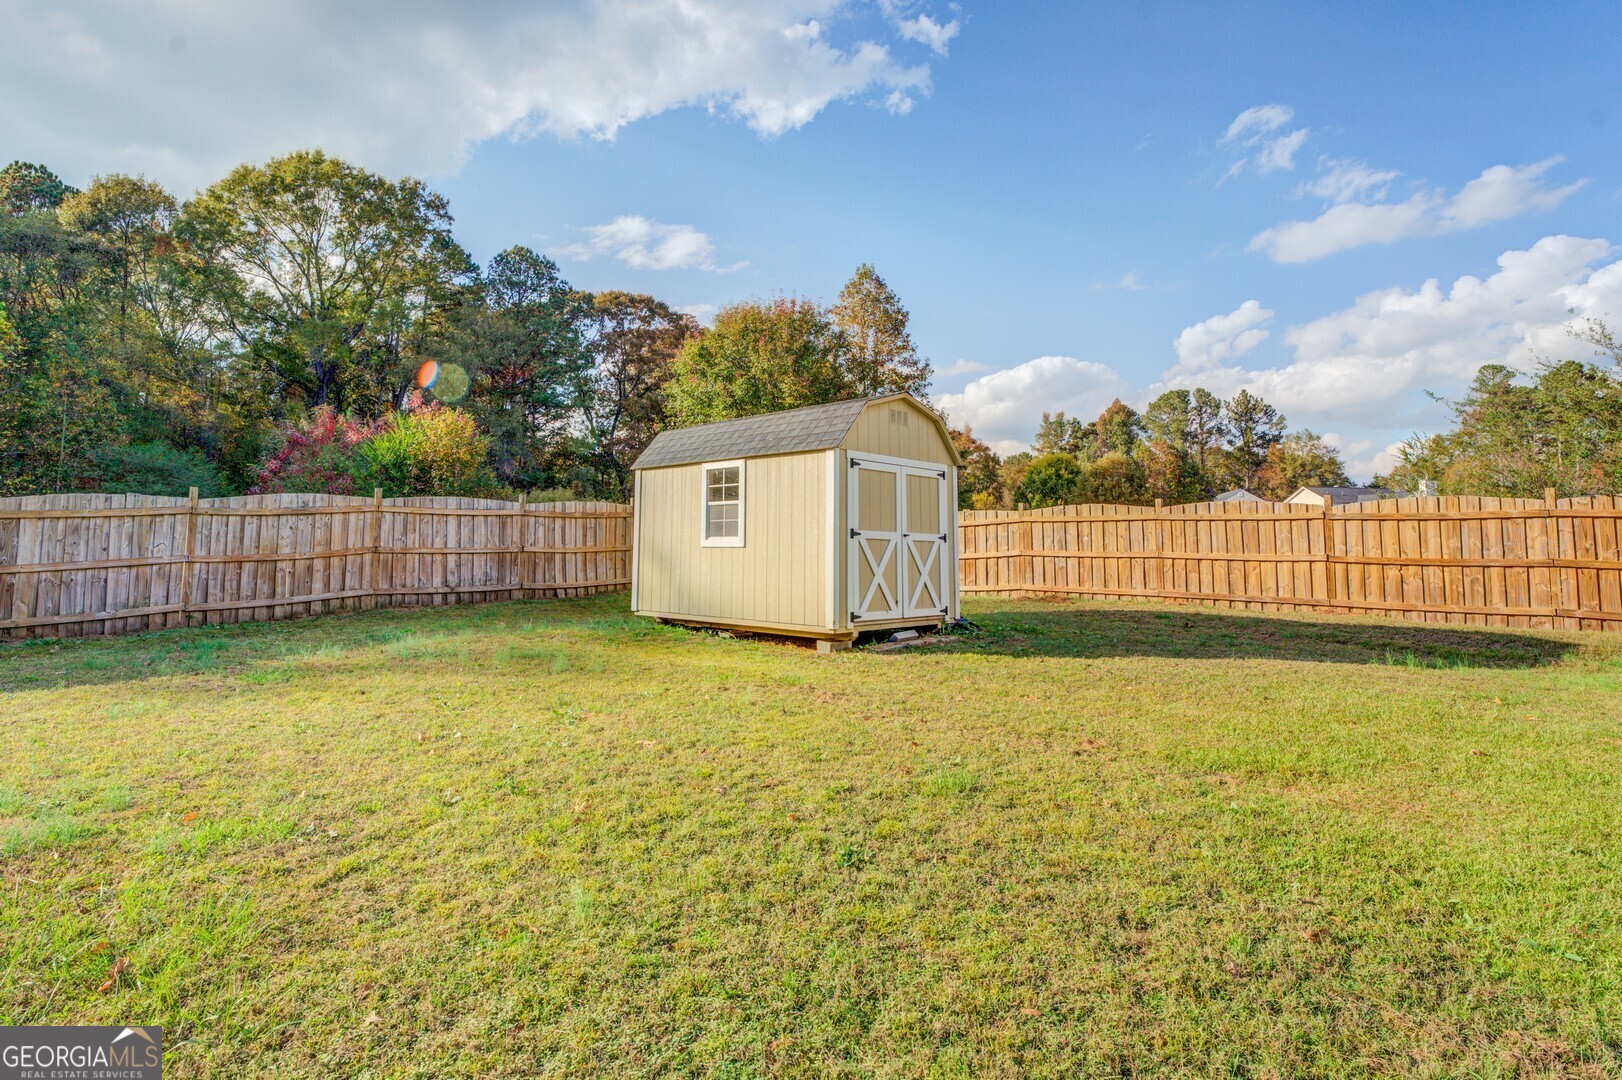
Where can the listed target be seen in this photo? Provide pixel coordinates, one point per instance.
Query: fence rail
(1502, 562)
(84, 565)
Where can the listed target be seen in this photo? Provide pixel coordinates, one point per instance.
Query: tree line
(1515, 436)
(1186, 446)
(307, 325)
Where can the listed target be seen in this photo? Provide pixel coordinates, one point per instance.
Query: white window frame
(704, 503)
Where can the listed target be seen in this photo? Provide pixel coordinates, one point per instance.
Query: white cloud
(1279, 153)
(702, 312)
(647, 245)
(1500, 192)
(1128, 281)
(1254, 129)
(184, 92)
(1004, 407)
(1345, 226)
(926, 31)
(1368, 362)
(1364, 458)
(1503, 192)
(959, 368)
(1254, 123)
(1205, 345)
(1344, 179)
(1365, 466)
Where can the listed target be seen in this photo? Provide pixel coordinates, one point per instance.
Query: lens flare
(428, 375)
(453, 383)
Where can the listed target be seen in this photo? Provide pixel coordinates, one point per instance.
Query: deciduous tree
(1116, 477)
(979, 481)
(759, 357)
(1050, 480)
(1061, 434)
(1119, 426)
(312, 253)
(880, 355)
(526, 347)
(1516, 435)
(632, 341)
(1300, 459)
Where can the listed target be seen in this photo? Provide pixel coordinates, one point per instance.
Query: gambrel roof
(794, 431)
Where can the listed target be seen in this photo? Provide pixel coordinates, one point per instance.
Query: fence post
(377, 541)
(190, 541)
(523, 539)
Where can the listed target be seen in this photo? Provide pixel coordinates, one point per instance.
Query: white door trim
(636, 536)
(953, 585)
(863, 540)
(884, 459)
(833, 462)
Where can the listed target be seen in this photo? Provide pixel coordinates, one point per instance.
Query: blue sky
(1338, 207)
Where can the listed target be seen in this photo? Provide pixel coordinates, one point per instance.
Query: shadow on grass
(251, 656)
(1200, 634)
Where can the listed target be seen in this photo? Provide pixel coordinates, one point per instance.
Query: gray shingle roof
(815, 427)
(1337, 495)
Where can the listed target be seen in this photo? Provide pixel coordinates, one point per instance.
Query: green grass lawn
(549, 837)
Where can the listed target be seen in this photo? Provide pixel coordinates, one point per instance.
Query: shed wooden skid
(824, 522)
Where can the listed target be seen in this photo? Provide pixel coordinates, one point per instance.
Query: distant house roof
(1236, 495)
(1339, 496)
(794, 431)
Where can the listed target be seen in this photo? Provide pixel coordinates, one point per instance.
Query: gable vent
(899, 417)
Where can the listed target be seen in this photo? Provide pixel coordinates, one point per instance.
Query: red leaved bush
(425, 450)
(317, 455)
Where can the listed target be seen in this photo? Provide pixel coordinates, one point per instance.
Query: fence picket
(73, 565)
(1501, 562)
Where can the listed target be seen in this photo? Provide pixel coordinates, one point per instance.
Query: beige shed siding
(778, 577)
(915, 438)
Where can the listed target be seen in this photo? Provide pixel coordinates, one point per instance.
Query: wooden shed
(821, 522)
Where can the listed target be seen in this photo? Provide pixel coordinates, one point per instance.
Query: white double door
(899, 556)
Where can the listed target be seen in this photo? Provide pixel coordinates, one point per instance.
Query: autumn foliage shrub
(430, 450)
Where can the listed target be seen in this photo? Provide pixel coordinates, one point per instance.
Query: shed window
(723, 504)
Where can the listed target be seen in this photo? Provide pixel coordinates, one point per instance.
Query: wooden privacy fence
(80, 565)
(1500, 562)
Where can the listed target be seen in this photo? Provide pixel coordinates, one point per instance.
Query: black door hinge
(854, 533)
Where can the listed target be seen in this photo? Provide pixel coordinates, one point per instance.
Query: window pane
(723, 502)
(723, 520)
(722, 480)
